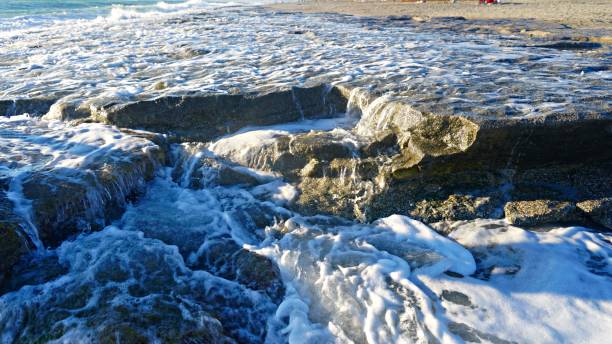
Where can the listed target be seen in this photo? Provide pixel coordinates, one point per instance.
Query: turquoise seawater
(17, 8)
(20, 14)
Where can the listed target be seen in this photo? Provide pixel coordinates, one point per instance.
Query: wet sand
(577, 14)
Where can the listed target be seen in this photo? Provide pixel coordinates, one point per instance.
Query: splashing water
(212, 251)
(197, 257)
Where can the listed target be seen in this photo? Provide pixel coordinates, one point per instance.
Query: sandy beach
(578, 14)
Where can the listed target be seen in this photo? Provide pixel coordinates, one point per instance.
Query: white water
(247, 146)
(354, 281)
(126, 57)
(29, 145)
(547, 287)
(395, 280)
(345, 282)
(19, 14)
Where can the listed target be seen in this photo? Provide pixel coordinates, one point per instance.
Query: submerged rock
(226, 259)
(203, 224)
(569, 45)
(456, 297)
(123, 287)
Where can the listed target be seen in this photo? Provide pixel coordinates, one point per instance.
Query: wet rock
(14, 244)
(570, 45)
(534, 143)
(67, 110)
(233, 176)
(451, 273)
(313, 169)
(226, 259)
(455, 207)
(442, 167)
(259, 273)
(67, 201)
(34, 269)
(539, 212)
(334, 196)
(456, 297)
(35, 107)
(399, 18)
(440, 195)
(320, 145)
(62, 207)
(255, 216)
(385, 143)
(472, 335)
(440, 135)
(201, 118)
(429, 134)
(599, 211)
(506, 144)
(454, 167)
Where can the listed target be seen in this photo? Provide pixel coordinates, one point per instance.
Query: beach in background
(574, 13)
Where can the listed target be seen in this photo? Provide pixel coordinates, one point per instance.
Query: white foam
(390, 281)
(246, 145)
(200, 47)
(548, 287)
(33, 145)
(356, 281)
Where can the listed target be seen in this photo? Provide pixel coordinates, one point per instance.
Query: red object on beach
(487, 1)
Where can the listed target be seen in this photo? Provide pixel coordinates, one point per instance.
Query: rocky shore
(518, 132)
(535, 171)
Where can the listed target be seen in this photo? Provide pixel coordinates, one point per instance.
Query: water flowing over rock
(67, 180)
(304, 179)
(20, 106)
(434, 167)
(113, 294)
(205, 117)
(14, 242)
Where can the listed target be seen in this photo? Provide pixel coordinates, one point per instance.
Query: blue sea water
(19, 14)
(15, 8)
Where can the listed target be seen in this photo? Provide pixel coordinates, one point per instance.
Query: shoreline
(548, 19)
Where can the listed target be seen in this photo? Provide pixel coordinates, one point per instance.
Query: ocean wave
(116, 12)
(119, 12)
